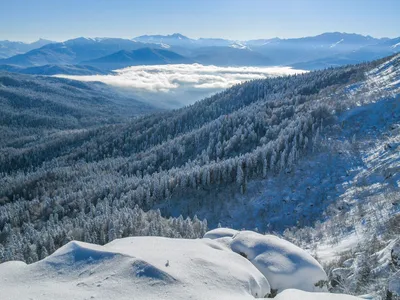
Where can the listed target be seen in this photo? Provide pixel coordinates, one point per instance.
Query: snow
(220, 233)
(238, 45)
(171, 269)
(327, 252)
(292, 294)
(282, 263)
(337, 43)
(166, 46)
(395, 252)
(394, 284)
(135, 268)
(396, 45)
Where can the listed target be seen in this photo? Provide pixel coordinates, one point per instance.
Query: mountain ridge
(142, 56)
(324, 50)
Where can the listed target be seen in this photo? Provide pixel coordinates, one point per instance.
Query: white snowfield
(135, 268)
(165, 268)
(282, 263)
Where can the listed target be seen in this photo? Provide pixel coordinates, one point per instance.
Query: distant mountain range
(143, 56)
(316, 52)
(10, 48)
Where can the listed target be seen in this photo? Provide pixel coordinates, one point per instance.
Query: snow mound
(78, 252)
(136, 268)
(220, 233)
(292, 294)
(283, 264)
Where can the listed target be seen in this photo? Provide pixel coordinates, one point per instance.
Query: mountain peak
(179, 36)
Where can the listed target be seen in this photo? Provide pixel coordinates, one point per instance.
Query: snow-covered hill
(162, 268)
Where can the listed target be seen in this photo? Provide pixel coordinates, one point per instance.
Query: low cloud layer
(182, 84)
(165, 78)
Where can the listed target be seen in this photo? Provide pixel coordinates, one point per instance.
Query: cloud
(166, 78)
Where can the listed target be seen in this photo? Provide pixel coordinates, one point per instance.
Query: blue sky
(27, 20)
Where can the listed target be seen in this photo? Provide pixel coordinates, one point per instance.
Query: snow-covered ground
(135, 268)
(301, 295)
(166, 268)
(282, 263)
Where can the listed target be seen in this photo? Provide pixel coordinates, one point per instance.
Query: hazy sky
(28, 20)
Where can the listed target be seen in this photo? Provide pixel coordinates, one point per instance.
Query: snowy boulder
(136, 268)
(292, 294)
(283, 264)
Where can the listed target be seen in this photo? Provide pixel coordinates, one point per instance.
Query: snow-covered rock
(282, 263)
(135, 268)
(291, 294)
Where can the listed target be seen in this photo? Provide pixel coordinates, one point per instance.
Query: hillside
(39, 110)
(53, 70)
(295, 155)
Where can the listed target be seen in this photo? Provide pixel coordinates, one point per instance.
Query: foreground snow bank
(282, 263)
(135, 268)
(291, 294)
(226, 264)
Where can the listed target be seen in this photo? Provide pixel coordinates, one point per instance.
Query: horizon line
(195, 38)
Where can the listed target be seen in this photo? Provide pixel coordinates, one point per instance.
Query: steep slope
(143, 56)
(358, 166)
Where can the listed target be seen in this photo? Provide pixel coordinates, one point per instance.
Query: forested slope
(176, 161)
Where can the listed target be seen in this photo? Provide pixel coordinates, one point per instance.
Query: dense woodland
(65, 178)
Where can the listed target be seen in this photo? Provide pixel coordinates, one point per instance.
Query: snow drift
(282, 263)
(135, 268)
(291, 294)
(226, 264)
